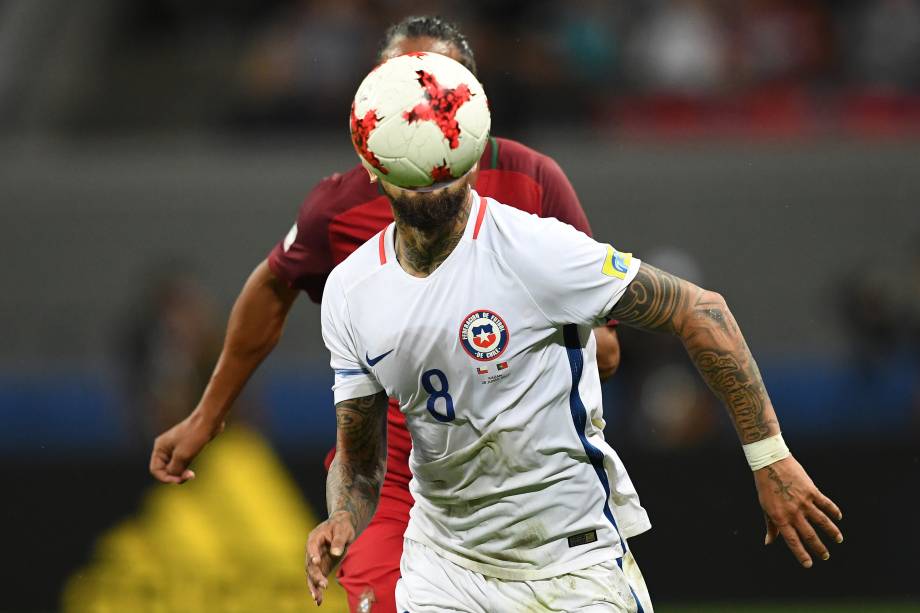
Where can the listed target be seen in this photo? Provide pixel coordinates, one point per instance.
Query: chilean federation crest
(484, 335)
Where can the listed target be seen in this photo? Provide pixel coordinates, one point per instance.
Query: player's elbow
(709, 312)
(713, 299)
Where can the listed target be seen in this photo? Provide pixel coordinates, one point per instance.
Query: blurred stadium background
(153, 151)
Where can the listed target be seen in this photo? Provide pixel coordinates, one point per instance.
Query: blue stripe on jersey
(639, 609)
(351, 371)
(580, 417)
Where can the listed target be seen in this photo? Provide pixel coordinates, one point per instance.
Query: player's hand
(794, 508)
(325, 547)
(175, 449)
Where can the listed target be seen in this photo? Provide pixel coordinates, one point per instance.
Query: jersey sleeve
(559, 197)
(572, 278)
(352, 378)
(303, 259)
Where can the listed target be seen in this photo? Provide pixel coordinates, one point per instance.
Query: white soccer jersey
(493, 362)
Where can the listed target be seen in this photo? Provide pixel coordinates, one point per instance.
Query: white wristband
(766, 451)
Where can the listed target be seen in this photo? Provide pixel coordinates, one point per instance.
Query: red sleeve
(559, 197)
(302, 259)
(327, 461)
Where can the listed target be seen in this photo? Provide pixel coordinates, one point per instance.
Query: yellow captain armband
(616, 263)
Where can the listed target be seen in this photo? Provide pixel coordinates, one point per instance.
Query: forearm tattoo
(356, 474)
(658, 301)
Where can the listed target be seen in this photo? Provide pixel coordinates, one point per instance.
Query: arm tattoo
(651, 301)
(356, 474)
(658, 301)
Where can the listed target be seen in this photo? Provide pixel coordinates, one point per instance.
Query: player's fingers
(817, 517)
(827, 505)
(317, 578)
(178, 465)
(315, 542)
(317, 556)
(187, 475)
(795, 545)
(157, 461)
(158, 469)
(159, 458)
(316, 590)
(306, 569)
(310, 585)
(341, 533)
(811, 538)
(771, 531)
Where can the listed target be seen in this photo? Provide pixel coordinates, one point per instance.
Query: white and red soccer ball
(420, 120)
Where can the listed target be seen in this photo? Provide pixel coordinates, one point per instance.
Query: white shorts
(433, 584)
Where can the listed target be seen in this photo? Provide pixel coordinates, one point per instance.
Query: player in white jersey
(499, 386)
(512, 477)
(477, 317)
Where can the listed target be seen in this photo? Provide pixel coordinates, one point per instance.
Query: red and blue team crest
(484, 335)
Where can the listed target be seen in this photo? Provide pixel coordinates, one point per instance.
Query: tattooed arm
(352, 485)
(356, 474)
(658, 301)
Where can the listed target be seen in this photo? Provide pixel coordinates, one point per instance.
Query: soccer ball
(420, 120)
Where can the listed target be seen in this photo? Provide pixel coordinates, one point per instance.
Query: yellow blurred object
(232, 540)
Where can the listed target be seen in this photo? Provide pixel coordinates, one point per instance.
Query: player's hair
(431, 26)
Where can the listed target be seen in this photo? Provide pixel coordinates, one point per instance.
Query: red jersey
(345, 210)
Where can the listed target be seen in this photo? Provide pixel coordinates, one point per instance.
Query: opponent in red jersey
(339, 215)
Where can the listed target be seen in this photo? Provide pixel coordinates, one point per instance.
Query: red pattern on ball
(440, 107)
(361, 129)
(441, 173)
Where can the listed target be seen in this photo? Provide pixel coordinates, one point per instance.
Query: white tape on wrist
(766, 451)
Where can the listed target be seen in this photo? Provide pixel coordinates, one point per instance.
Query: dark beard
(427, 212)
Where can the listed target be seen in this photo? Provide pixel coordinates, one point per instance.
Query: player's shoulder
(511, 155)
(504, 223)
(362, 263)
(337, 193)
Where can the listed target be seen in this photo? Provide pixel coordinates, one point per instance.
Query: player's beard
(428, 212)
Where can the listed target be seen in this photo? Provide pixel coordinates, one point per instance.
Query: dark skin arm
(254, 328)
(792, 505)
(352, 485)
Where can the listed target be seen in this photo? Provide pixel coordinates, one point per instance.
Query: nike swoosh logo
(373, 361)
